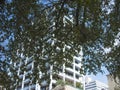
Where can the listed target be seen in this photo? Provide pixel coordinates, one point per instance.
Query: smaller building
(96, 85)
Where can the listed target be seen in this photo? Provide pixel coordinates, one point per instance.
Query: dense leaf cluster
(52, 32)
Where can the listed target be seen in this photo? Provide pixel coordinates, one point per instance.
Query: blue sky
(100, 77)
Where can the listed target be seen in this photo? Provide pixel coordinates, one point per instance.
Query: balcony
(69, 77)
(78, 65)
(70, 70)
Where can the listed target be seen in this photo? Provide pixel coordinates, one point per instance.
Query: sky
(100, 77)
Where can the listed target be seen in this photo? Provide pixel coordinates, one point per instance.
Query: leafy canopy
(52, 32)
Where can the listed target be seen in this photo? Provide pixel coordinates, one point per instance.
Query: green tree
(112, 58)
(40, 30)
(5, 33)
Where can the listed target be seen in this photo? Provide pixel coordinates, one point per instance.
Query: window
(68, 73)
(43, 88)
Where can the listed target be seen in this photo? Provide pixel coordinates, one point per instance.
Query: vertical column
(19, 68)
(51, 77)
(40, 75)
(29, 87)
(63, 71)
(84, 82)
(74, 82)
(22, 88)
(37, 86)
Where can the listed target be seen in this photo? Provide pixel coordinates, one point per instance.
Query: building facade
(96, 85)
(70, 74)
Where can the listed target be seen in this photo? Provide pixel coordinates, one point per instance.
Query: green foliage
(61, 82)
(79, 85)
(37, 30)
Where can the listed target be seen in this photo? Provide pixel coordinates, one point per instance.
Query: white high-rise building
(70, 74)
